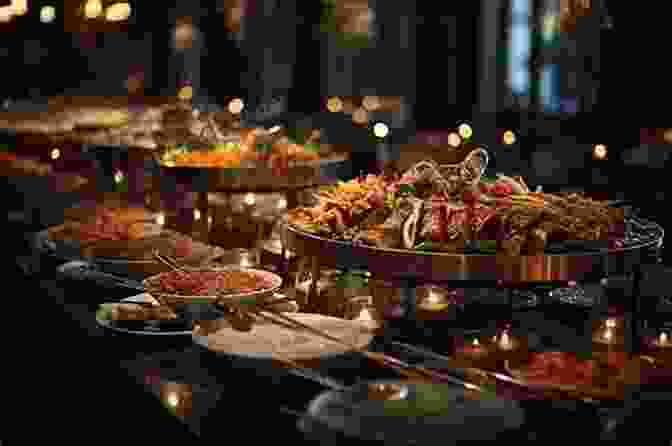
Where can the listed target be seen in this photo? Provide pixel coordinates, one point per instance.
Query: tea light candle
(606, 334)
(663, 341)
(435, 301)
(246, 259)
(506, 342)
(472, 350)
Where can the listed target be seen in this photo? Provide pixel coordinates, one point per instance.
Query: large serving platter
(295, 175)
(442, 267)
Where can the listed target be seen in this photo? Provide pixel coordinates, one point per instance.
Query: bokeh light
(380, 130)
(334, 105)
(509, 138)
(47, 14)
(236, 106)
(465, 131)
(454, 140)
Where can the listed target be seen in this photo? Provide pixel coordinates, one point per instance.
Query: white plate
(268, 340)
(144, 297)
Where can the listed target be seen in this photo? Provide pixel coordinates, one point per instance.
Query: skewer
(405, 369)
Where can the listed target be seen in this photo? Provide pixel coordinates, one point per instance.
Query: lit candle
(197, 214)
(663, 341)
(250, 199)
(245, 259)
(607, 333)
(161, 219)
(435, 301)
(505, 342)
(473, 350)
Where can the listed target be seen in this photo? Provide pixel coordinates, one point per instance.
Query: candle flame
(197, 214)
(173, 399)
(505, 340)
(662, 339)
(611, 323)
(608, 334)
(161, 219)
(433, 297)
(250, 199)
(475, 342)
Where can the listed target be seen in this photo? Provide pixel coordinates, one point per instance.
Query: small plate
(148, 329)
(268, 340)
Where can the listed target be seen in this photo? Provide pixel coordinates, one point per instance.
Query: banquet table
(121, 386)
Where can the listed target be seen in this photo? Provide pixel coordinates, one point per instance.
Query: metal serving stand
(409, 269)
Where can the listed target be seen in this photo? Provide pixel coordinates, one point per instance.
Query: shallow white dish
(144, 297)
(269, 341)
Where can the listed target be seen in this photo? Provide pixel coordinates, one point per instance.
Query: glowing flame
(282, 204)
(454, 140)
(55, 154)
(475, 343)
(380, 130)
(600, 151)
(93, 9)
(465, 131)
(197, 214)
(173, 399)
(118, 12)
(20, 7)
(334, 105)
(509, 138)
(608, 334)
(119, 176)
(186, 93)
(236, 106)
(505, 341)
(47, 14)
(210, 220)
(250, 199)
(610, 323)
(161, 219)
(663, 340)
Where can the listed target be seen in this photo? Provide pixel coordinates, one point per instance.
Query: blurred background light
(47, 14)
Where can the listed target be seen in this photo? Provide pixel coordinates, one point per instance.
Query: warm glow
(250, 199)
(608, 334)
(434, 297)
(197, 214)
(210, 219)
(118, 12)
(161, 219)
(20, 7)
(465, 131)
(55, 154)
(667, 136)
(118, 176)
(360, 116)
(184, 36)
(47, 14)
(173, 399)
(454, 140)
(93, 9)
(380, 130)
(371, 103)
(236, 106)
(610, 323)
(274, 129)
(663, 340)
(509, 138)
(475, 343)
(282, 204)
(600, 151)
(186, 93)
(6, 14)
(334, 105)
(505, 342)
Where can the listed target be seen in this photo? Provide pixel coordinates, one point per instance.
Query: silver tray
(442, 267)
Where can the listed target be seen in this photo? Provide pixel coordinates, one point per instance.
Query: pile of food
(250, 149)
(208, 282)
(112, 224)
(424, 209)
(136, 312)
(27, 166)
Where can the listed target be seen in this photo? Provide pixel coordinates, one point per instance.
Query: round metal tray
(441, 267)
(259, 179)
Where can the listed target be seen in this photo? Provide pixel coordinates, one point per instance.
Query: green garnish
(426, 246)
(428, 399)
(264, 147)
(406, 189)
(351, 280)
(104, 312)
(312, 147)
(226, 147)
(487, 246)
(584, 355)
